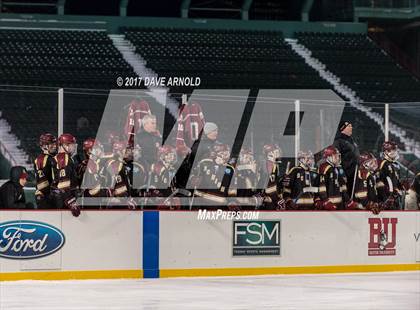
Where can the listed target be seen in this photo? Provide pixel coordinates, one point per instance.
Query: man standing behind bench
(349, 151)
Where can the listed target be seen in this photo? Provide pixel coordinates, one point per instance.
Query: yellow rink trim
(166, 273)
(71, 275)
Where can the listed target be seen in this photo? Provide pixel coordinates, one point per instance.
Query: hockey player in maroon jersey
(245, 180)
(65, 182)
(390, 189)
(301, 184)
(118, 183)
(162, 179)
(271, 178)
(43, 170)
(333, 183)
(107, 154)
(209, 176)
(365, 192)
(88, 169)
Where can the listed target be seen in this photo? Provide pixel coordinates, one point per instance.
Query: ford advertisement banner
(29, 240)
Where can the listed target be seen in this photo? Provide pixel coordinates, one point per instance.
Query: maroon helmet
(221, 153)
(246, 156)
(92, 146)
(111, 137)
(332, 155)
(272, 152)
(306, 159)
(118, 145)
(390, 150)
(167, 154)
(48, 143)
(88, 145)
(66, 138)
(368, 161)
(47, 139)
(68, 143)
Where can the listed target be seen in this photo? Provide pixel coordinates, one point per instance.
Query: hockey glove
(73, 206)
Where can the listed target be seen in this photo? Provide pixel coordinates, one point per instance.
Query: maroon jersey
(389, 180)
(90, 181)
(333, 185)
(210, 186)
(365, 191)
(302, 186)
(64, 173)
(118, 177)
(43, 173)
(244, 181)
(270, 182)
(162, 178)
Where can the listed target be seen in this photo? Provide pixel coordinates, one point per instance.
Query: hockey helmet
(221, 153)
(272, 152)
(68, 143)
(92, 146)
(246, 156)
(167, 154)
(306, 159)
(332, 155)
(48, 143)
(368, 161)
(390, 150)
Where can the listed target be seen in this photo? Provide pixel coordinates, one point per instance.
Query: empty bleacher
(47, 60)
(224, 58)
(363, 66)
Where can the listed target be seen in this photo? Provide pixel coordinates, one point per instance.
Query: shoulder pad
(383, 162)
(363, 174)
(41, 161)
(115, 165)
(139, 166)
(158, 168)
(323, 169)
(62, 160)
(92, 166)
(205, 161)
(293, 170)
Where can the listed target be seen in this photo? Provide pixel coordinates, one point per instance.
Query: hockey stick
(354, 182)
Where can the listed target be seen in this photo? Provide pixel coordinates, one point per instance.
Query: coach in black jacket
(12, 195)
(349, 152)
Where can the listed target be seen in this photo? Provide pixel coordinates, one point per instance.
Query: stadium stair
(351, 95)
(138, 64)
(10, 146)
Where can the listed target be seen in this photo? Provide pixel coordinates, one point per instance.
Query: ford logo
(29, 239)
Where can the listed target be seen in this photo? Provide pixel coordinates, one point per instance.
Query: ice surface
(396, 291)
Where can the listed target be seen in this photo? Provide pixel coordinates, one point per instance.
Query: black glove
(73, 206)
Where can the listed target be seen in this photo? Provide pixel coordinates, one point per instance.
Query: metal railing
(397, 4)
